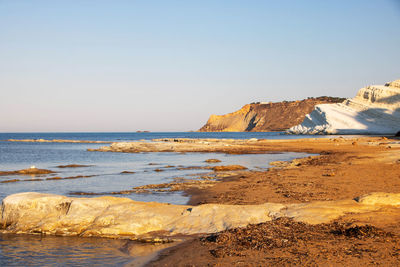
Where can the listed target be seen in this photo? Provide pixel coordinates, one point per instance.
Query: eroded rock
(119, 217)
(122, 217)
(256, 117)
(374, 110)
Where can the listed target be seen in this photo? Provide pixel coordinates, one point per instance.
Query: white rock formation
(374, 110)
(121, 217)
(115, 217)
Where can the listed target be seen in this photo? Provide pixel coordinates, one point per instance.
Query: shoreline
(337, 158)
(345, 168)
(358, 165)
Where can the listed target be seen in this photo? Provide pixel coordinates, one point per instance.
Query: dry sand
(346, 168)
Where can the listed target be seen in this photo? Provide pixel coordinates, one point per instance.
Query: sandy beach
(200, 133)
(337, 206)
(346, 168)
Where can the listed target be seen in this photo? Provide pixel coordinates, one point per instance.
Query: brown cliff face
(260, 117)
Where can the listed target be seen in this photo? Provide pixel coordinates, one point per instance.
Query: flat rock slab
(124, 218)
(30, 171)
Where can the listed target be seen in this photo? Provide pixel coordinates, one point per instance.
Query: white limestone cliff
(374, 110)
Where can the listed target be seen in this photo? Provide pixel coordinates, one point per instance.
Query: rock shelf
(29, 171)
(36, 213)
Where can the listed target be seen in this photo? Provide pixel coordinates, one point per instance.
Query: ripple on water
(37, 250)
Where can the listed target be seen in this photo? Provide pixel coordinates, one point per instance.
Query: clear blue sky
(168, 65)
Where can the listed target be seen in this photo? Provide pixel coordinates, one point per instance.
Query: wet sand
(345, 168)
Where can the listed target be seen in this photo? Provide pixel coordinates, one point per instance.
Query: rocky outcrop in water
(374, 110)
(37, 213)
(31, 171)
(259, 117)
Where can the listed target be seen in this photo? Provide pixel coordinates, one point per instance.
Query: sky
(111, 66)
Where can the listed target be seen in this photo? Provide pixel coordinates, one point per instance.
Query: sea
(104, 174)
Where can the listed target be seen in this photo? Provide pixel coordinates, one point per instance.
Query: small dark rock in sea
(73, 166)
(212, 160)
(10, 181)
(169, 166)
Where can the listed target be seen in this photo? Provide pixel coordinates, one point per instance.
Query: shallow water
(37, 250)
(26, 250)
(106, 168)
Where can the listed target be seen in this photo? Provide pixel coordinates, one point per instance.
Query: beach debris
(360, 231)
(285, 232)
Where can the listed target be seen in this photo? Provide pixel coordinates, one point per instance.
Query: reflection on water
(36, 250)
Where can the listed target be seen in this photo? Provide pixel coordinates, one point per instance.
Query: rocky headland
(262, 117)
(374, 110)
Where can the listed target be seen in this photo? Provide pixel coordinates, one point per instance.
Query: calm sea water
(106, 168)
(126, 136)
